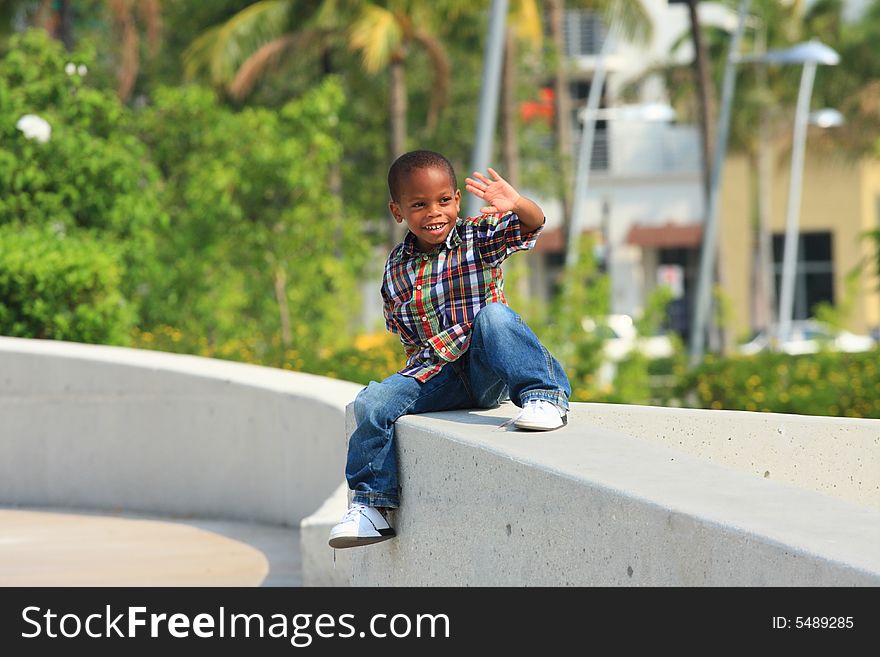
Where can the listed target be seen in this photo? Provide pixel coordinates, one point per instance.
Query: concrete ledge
(95, 427)
(839, 457)
(591, 506)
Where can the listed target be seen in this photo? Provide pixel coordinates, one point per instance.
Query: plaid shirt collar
(410, 248)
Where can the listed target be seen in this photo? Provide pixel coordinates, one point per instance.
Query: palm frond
(197, 56)
(267, 56)
(221, 50)
(377, 34)
(525, 20)
(333, 13)
(634, 21)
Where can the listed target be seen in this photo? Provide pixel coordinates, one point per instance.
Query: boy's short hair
(408, 162)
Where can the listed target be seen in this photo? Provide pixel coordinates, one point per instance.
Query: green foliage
(583, 292)
(874, 263)
(224, 225)
(826, 383)
(838, 315)
(654, 315)
(255, 223)
(61, 287)
(92, 175)
(633, 383)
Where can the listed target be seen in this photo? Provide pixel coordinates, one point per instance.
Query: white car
(621, 337)
(808, 337)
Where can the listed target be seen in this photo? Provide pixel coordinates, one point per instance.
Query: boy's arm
(503, 198)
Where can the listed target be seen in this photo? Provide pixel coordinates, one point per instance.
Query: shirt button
(424, 257)
(424, 318)
(418, 287)
(442, 350)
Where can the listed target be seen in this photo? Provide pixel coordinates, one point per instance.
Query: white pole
(488, 112)
(585, 154)
(703, 302)
(789, 255)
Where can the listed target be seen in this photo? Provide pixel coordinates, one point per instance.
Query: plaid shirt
(431, 299)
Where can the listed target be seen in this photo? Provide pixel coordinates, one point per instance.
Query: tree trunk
(704, 92)
(65, 24)
(562, 100)
(515, 269)
(509, 141)
(397, 117)
(765, 245)
(766, 290)
(283, 309)
(717, 335)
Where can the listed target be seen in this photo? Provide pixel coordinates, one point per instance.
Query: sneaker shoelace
(353, 512)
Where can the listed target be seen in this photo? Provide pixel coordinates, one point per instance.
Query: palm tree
(765, 96)
(705, 92)
(127, 17)
(523, 26)
(243, 50)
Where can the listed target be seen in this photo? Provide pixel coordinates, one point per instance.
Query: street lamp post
(810, 54)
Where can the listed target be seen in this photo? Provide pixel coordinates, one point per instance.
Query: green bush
(826, 383)
(60, 287)
(256, 229)
(92, 175)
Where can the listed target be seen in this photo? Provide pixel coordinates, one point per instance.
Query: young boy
(465, 348)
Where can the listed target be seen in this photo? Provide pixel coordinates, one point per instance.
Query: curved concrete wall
(624, 495)
(594, 506)
(112, 428)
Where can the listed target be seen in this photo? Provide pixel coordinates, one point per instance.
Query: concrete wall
(110, 428)
(839, 457)
(624, 495)
(613, 500)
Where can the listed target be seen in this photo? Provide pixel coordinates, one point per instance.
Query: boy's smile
(429, 204)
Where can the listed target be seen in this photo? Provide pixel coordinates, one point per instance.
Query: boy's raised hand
(498, 193)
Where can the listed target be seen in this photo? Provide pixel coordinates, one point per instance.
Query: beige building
(840, 202)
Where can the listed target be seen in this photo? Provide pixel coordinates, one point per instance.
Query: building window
(584, 32)
(814, 277)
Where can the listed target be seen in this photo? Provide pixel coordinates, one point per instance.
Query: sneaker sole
(540, 427)
(341, 542)
(536, 427)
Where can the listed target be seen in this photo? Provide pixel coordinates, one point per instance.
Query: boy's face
(429, 204)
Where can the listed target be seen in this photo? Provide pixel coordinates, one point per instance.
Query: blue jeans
(505, 358)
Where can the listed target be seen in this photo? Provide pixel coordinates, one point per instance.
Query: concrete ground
(61, 547)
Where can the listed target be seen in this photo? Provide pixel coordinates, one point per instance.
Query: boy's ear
(395, 212)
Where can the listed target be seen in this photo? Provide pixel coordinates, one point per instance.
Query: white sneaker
(541, 415)
(361, 525)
